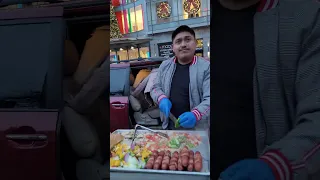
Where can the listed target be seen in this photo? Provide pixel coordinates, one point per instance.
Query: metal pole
(178, 12)
(151, 17)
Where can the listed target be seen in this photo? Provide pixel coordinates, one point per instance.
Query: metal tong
(148, 129)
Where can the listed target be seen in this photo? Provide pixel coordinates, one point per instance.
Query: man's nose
(183, 44)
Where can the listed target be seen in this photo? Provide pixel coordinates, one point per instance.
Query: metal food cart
(149, 174)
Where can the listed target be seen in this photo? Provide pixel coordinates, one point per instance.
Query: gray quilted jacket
(199, 89)
(287, 88)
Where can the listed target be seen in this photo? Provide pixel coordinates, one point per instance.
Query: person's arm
(203, 109)
(156, 92)
(297, 155)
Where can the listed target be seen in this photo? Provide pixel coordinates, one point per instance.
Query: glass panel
(119, 79)
(199, 49)
(132, 20)
(123, 54)
(144, 52)
(125, 21)
(113, 56)
(139, 18)
(120, 18)
(133, 53)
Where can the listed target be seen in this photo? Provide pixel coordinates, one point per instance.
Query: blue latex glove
(165, 106)
(187, 120)
(249, 169)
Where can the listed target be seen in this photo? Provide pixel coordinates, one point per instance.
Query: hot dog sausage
(198, 161)
(174, 161)
(166, 160)
(184, 156)
(157, 164)
(191, 161)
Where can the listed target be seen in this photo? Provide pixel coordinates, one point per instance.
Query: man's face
(184, 45)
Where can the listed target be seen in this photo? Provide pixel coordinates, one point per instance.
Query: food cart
(176, 141)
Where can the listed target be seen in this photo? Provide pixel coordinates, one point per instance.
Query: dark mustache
(183, 49)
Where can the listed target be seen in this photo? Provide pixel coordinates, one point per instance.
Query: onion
(126, 157)
(132, 146)
(142, 164)
(133, 160)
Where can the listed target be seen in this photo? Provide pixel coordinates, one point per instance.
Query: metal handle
(135, 131)
(31, 137)
(142, 127)
(118, 106)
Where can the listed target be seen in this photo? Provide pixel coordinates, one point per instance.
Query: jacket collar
(266, 5)
(194, 61)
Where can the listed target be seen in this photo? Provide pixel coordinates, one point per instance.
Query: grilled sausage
(191, 161)
(150, 162)
(198, 161)
(180, 167)
(166, 160)
(184, 156)
(173, 165)
(157, 164)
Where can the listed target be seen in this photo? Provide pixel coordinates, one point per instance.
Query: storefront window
(199, 49)
(133, 53)
(191, 8)
(144, 52)
(130, 20)
(113, 56)
(122, 54)
(139, 18)
(130, 53)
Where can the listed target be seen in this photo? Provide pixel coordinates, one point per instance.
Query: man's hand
(165, 106)
(249, 169)
(187, 120)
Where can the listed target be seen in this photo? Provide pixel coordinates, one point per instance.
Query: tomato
(198, 137)
(153, 147)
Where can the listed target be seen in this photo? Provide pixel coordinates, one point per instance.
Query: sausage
(180, 167)
(155, 153)
(166, 160)
(157, 164)
(161, 153)
(184, 156)
(198, 161)
(167, 153)
(173, 165)
(175, 154)
(150, 162)
(191, 161)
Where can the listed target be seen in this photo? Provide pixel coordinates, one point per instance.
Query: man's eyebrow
(186, 36)
(178, 39)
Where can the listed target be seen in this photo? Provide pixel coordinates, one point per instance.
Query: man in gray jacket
(285, 70)
(182, 86)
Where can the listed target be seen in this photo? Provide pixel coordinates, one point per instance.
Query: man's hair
(181, 29)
